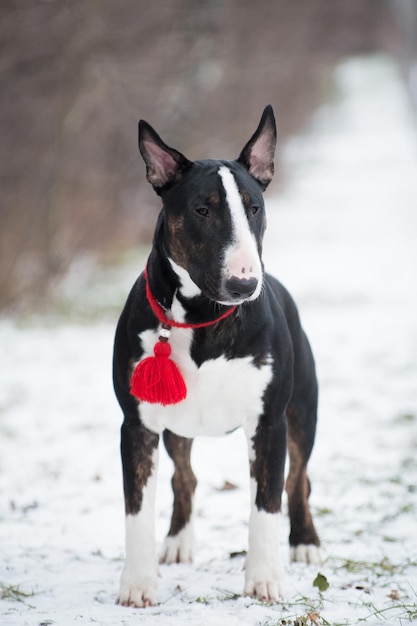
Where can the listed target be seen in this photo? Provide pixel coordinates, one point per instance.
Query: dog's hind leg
(304, 541)
(179, 544)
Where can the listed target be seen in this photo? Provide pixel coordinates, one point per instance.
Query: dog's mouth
(230, 302)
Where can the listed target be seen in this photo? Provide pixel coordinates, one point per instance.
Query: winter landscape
(342, 237)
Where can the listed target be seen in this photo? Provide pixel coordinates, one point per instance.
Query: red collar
(160, 313)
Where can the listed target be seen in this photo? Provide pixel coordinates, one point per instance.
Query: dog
(233, 336)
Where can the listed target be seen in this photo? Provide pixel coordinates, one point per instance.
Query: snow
(343, 239)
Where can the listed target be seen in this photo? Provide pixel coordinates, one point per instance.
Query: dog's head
(213, 217)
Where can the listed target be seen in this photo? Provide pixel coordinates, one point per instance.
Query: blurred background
(76, 75)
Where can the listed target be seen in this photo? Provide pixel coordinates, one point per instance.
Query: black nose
(240, 288)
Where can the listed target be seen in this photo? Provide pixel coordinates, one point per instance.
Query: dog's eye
(254, 209)
(203, 211)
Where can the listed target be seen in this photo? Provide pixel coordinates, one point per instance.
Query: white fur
(221, 395)
(180, 548)
(188, 287)
(139, 578)
(264, 569)
(241, 257)
(264, 573)
(306, 553)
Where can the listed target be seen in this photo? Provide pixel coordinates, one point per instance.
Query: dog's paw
(179, 548)
(267, 590)
(264, 581)
(306, 553)
(139, 593)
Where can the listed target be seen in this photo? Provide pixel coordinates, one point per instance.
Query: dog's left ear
(258, 154)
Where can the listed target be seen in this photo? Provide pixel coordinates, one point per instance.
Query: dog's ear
(164, 165)
(258, 154)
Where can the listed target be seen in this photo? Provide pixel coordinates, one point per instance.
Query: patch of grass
(397, 608)
(405, 418)
(305, 611)
(228, 595)
(200, 600)
(397, 612)
(389, 539)
(310, 618)
(322, 511)
(407, 508)
(380, 568)
(396, 480)
(12, 592)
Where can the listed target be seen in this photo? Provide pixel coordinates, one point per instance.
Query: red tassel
(157, 379)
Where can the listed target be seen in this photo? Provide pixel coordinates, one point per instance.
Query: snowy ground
(343, 238)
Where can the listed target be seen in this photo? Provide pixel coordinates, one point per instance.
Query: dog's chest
(222, 394)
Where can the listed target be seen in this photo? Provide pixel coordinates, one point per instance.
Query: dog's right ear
(164, 165)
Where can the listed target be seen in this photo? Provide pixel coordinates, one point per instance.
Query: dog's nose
(240, 288)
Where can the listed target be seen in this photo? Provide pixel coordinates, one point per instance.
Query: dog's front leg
(264, 570)
(139, 447)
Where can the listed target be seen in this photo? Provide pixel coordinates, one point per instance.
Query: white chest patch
(221, 394)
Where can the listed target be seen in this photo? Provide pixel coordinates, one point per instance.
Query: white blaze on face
(241, 258)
